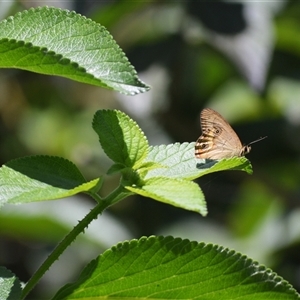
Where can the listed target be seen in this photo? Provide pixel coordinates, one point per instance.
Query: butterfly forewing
(218, 139)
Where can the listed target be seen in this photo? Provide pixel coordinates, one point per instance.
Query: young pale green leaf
(10, 285)
(120, 137)
(180, 162)
(168, 268)
(58, 42)
(177, 192)
(40, 178)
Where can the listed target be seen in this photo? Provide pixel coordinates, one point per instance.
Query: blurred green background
(239, 58)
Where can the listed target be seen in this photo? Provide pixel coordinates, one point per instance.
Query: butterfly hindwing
(218, 140)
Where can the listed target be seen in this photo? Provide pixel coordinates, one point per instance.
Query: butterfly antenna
(261, 138)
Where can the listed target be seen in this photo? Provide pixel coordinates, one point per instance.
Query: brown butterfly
(218, 140)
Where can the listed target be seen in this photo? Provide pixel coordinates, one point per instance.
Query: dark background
(241, 59)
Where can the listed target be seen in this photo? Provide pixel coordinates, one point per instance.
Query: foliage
(158, 267)
(94, 57)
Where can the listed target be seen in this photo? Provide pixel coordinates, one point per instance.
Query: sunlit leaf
(58, 42)
(168, 268)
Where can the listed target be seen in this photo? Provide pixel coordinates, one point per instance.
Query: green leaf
(233, 163)
(177, 192)
(40, 178)
(168, 268)
(181, 162)
(115, 168)
(10, 285)
(49, 223)
(250, 210)
(287, 31)
(31, 226)
(53, 41)
(110, 14)
(121, 138)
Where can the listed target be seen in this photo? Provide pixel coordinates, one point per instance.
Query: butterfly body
(218, 140)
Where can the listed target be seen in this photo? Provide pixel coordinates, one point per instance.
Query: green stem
(118, 194)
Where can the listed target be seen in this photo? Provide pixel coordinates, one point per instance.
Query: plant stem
(118, 194)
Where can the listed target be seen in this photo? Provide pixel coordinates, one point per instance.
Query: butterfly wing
(218, 139)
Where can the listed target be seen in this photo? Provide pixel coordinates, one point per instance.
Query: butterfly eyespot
(203, 146)
(217, 130)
